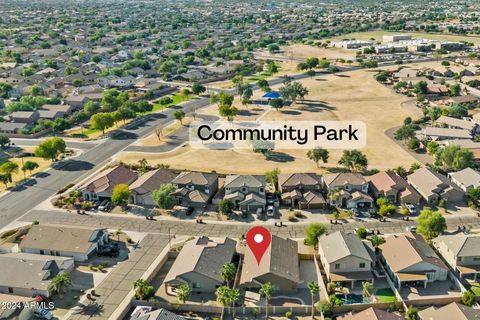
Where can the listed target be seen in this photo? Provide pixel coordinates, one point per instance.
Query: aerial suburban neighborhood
(115, 205)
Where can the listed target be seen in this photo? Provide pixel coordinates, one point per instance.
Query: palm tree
(183, 292)
(266, 292)
(143, 164)
(314, 288)
(376, 241)
(366, 289)
(223, 296)
(60, 283)
(234, 296)
(334, 195)
(228, 272)
(141, 288)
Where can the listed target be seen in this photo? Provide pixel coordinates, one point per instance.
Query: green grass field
(385, 295)
(177, 98)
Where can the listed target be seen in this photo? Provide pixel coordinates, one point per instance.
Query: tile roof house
(101, 186)
(461, 252)
(438, 134)
(370, 314)
(246, 192)
(29, 275)
(346, 258)
(455, 123)
(434, 186)
(302, 190)
(200, 262)
(29, 117)
(279, 266)
(195, 189)
(407, 258)
(394, 188)
(451, 311)
(465, 179)
(146, 313)
(142, 188)
(352, 187)
(77, 242)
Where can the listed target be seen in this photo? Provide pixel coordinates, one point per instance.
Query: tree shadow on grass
(279, 157)
(74, 165)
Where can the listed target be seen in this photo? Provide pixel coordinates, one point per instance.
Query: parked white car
(411, 208)
(270, 211)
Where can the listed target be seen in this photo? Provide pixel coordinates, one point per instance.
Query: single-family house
(28, 117)
(28, 275)
(407, 258)
(346, 258)
(438, 134)
(246, 192)
(80, 243)
(451, 311)
(455, 123)
(461, 252)
(434, 186)
(142, 188)
(199, 264)
(351, 190)
(465, 179)
(394, 188)
(195, 189)
(65, 109)
(146, 313)
(371, 314)
(101, 185)
(279, 266)
(302, 190)
(12, 127)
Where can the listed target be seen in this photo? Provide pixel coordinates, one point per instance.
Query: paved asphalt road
(216, 229)
(24, 198)
(84, 145)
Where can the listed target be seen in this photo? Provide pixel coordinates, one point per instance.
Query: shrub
(298, 214)
(335, 300)
(441, 203)
(91, 267)
(289, 314)
(100, 268)
(104, 264)
(325, 307)
(35, 222)
(255, 312)
(292, 218)
(468, 298)
(87, 205)
(362, 233)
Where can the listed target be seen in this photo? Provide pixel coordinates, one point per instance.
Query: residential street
(233, 230)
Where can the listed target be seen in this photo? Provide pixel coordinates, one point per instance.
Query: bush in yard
(292, 218)
(255, 312)
(289, 314)
(335, 300)
(325, 307)
(468, 298)
(362, 233)
(312, 232)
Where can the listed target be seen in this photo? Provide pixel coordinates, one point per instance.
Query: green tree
(421, 87)
(272, 177)
(91, 107)
(468, 298)
(314, 288)
(266, 291)
(413, 144)
(9, 168)
(411, 313)
(120, 194)
(377, 240)
(367, 288)
(362, 233)
(228, 272)
(179, 115)
(4, 140)
(405, 133)
(29, 166)
(183, 292)
(431, 224)
(51, 148)
(312, 232)
(102, 121)
(225, 206)
(198, 89)
(223, 296)
(163, 196)
(454, 90)
(143, 289)
(59, 284)
(318, 154)
(456, 158)
(353, 160)
(276, 103)
(432, 147)
(234, 297)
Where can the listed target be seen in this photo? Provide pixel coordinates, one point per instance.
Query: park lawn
(385, 295)
(19, 176)
(152, 140)
(177, 98)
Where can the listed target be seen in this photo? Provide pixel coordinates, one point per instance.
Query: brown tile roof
(340, 179)
(297, 179)
(386, 181)
(371, 314)
(196, 178)
(106, 180)
(451, 311)
(152, 180)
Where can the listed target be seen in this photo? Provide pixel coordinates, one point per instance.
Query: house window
(244, 189)
(190, 187)
(347, 187)
(261, 190)
(10, 290)
(196, 285)
(362, 265)
(337, 266)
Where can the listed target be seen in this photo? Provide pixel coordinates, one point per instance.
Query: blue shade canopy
(271, 95)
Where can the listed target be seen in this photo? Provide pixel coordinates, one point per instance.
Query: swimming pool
(352, 298)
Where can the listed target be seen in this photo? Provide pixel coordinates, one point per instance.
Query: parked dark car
(108, 252)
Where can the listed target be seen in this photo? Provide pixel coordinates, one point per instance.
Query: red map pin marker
(258, 240)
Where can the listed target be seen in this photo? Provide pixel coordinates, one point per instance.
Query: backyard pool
(351, 298)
